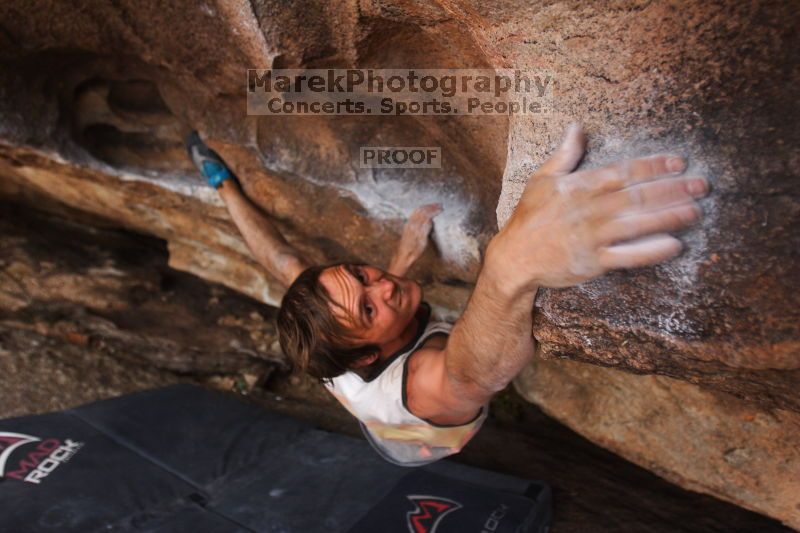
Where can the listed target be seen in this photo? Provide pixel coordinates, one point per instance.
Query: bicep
(434, 395)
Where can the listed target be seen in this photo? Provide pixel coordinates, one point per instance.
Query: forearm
(401, 263)
(414, 239)
(492, 340)
(266, 243)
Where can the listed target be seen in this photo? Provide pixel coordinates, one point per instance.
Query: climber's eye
(361, 275)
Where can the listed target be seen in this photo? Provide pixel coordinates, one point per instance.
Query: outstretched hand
(414, 238)
(570, 227)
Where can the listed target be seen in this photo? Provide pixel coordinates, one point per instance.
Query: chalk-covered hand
(570, 227)
(414, 239)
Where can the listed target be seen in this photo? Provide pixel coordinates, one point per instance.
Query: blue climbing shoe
(207, 161)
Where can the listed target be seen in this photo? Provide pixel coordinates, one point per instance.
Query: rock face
(723, 316)
(704, 441)
(94, 104)
(111, 293)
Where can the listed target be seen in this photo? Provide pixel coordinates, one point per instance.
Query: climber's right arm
(568, 227)
(266, 243)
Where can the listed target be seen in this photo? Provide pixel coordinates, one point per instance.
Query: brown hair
(309, 333)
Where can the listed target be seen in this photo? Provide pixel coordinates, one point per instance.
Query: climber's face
(377, 307)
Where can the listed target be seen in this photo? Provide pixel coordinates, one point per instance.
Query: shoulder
(428, 391)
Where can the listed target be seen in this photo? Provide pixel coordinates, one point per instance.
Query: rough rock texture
(708, 442)
(111, 293)
(94, 102)
(725, 314)
(114, 88)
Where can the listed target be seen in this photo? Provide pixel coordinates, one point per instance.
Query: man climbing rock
(420, 388)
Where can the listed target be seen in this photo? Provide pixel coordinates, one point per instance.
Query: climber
(420, 388)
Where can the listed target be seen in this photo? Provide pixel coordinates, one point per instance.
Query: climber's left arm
(266, 243)
(414, 239)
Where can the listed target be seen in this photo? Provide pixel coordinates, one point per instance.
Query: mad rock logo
(42, 457)
(428, 513)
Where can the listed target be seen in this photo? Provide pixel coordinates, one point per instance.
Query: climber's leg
(266, 243)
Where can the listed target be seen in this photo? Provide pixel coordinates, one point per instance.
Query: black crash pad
(186, 459)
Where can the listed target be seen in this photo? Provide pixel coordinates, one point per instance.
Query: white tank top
(379, 403)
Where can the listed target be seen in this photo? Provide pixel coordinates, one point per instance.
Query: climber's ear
(366, 360)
